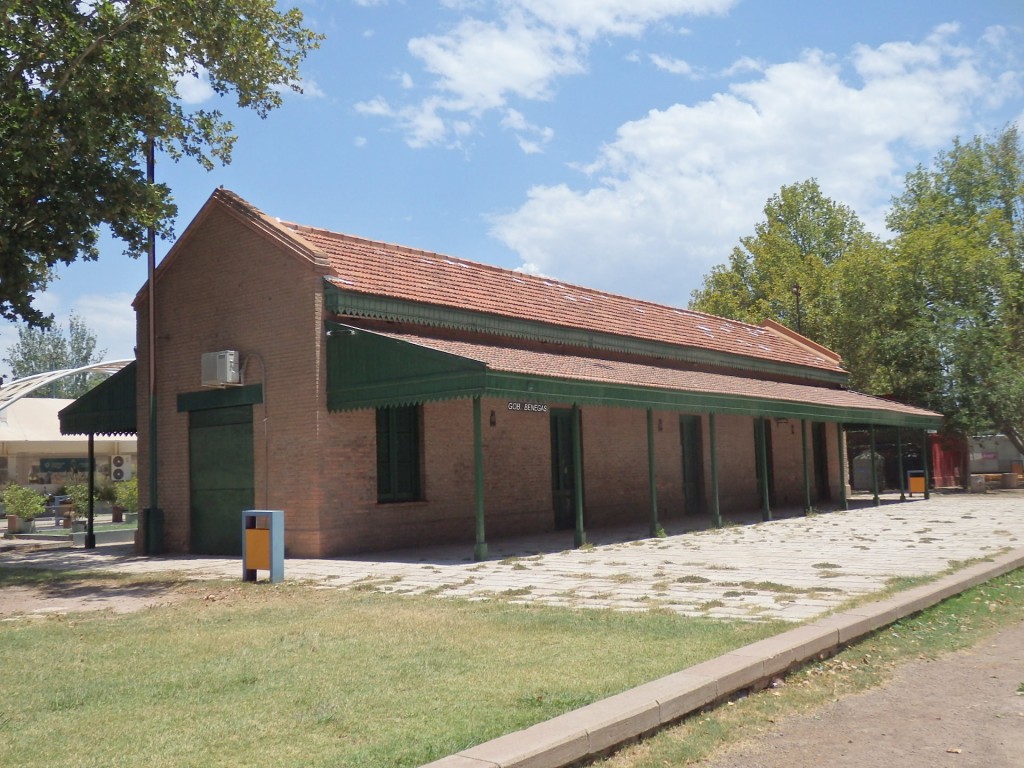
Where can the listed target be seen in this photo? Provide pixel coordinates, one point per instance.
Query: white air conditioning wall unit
(120, 469)
(220, 369)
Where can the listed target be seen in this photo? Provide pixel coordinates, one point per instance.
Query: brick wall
(224, 287)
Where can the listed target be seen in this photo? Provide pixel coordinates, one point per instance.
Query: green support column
(651, 475)
(807, 471)
(761, 427)
(843, 502)
(899, 464)
(577, 475)
(874, 470)
(716, 514)
(926, 461)
(480, 550)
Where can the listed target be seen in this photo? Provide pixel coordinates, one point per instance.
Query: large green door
(221, 477)
(563, 487)
(693, 463)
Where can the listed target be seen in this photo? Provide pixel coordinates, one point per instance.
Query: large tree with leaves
(960, 241)
(84, 88)
(792, 270)
(934, 317)
(40, 350)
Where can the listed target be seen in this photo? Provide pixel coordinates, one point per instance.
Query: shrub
(126, 493)
(23, 502)
(79, 493)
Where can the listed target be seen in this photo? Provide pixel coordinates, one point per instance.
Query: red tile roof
(381, 269)
(601, 370)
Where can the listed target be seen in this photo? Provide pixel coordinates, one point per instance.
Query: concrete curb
(597, 728)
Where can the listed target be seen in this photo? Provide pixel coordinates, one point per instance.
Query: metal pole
(151, 544)
(843, 503)
(807, 474)
(874, 469)
(480, 550)
(761, 430)
(926, 455)
(90, 533)
(716, 513)
(577, 475)
(651, 474)
(899, 464)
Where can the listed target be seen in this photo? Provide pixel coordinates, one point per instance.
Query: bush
(126, 493)
(79, 493)
(23, 502)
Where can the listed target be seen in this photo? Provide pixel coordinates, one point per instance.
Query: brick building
(390, 397)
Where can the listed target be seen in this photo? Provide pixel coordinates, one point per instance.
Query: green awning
(369, 369)
(107, 409)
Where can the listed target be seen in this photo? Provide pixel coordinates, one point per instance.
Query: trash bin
(263, 543)
(915, 481)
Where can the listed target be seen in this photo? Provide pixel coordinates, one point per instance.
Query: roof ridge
(342, 236)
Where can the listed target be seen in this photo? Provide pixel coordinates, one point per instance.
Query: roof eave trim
(341, 302)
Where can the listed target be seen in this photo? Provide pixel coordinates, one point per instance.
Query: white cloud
(195, 88)
(592, 18)
(311, 89)
(531, 138)
(671, 195)
(110, 317)
(671, 65)
(518, 49)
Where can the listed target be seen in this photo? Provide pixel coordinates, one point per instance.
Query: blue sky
(624, 145)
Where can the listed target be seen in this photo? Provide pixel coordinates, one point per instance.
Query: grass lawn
(291, 675)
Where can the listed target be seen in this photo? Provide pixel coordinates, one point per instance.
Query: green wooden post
(480, 550)
(716, 514)
(899, 464)
(874, 470)
(807, 471)
(843, 502)
(926, 461)
(577, 475)
(761, 430)
(651, 475)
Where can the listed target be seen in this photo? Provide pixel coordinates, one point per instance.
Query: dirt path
(95, 595)
(962, 710)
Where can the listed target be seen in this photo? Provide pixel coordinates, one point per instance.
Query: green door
(221, 478)
(563, 486)
(693, 462)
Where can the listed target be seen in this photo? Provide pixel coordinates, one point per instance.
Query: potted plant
(126, 496)
(105, 498)
(79, 493)
(23, 506)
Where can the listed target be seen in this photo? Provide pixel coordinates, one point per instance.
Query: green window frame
(398, 454)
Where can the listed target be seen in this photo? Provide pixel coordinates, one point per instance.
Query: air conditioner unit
(120, 469)
(220, 369)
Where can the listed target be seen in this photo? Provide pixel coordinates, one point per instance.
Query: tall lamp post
(152, 532)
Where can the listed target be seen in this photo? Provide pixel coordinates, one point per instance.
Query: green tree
(793, 269)
(960, 232)
(84, 88)
(934, 317)
(40, 350)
